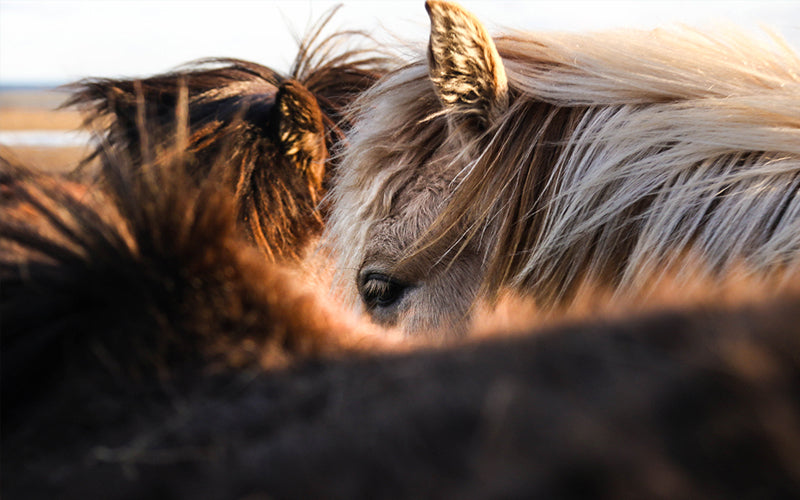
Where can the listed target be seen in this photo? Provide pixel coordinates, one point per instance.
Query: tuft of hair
(276, 130)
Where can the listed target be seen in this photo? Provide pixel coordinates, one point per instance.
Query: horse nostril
(379, 290)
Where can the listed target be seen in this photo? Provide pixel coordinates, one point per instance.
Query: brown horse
(686, 403)
(543, 162)
(276, 131)
(144, 342)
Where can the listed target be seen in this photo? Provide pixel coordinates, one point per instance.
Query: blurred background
(44, 44)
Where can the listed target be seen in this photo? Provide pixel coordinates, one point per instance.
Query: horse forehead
(427, 184)
(418, 203)
(389, 237)
(413, 210)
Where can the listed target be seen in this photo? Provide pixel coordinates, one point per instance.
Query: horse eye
(379, 290)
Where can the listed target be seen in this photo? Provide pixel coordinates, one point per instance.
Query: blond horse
(542, 162)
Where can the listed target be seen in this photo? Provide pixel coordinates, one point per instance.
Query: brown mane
(230, 108)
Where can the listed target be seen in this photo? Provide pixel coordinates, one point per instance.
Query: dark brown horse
(144, 341)
(133, 361)
(276, 131)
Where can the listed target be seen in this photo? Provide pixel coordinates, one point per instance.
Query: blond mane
(618, 155)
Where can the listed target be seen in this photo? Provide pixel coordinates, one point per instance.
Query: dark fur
(236, 109)
(105, 295)
(136, 324)
(690, 404)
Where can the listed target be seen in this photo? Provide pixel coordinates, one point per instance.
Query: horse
(149, 350)
(679, 403)
(550, 163)
(278, 131)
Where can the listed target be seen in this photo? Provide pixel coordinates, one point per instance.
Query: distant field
(47, 159)
(36, 110)
(34, 98)
(38, 119)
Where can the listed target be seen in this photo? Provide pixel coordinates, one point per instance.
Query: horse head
(543, 162)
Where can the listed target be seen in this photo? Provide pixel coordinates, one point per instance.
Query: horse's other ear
(464, 65)
(297, 121)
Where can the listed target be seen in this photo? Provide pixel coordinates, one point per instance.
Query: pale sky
(60, 41)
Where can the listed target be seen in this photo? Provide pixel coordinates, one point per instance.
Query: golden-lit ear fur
(464, 65)
(298, 124)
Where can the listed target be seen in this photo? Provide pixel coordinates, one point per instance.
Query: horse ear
(300, 130)
(464, 65)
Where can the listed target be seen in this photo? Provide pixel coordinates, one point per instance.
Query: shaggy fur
(696, 403)
(615, 158)
(276, 130)
(107, 295)
(145, 347)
